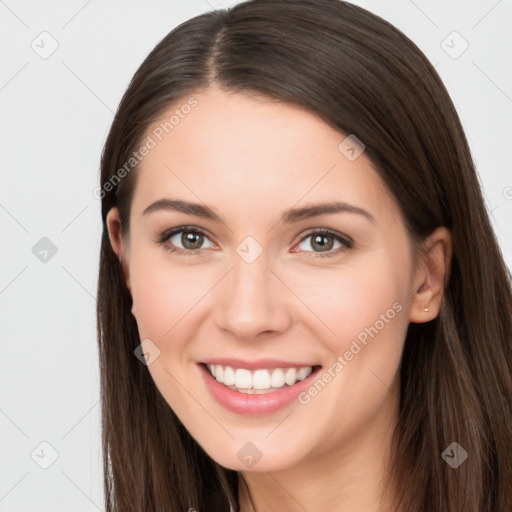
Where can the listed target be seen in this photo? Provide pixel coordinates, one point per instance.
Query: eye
(189, 240)
(323, 241)
(184, 240)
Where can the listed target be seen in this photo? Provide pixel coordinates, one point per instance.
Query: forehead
(245, 153)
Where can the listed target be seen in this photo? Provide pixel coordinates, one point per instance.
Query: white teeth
(258, 381)
(252, 391)
(229, 376)
(243, 379)
(261, 379)
(277, 379)
(303, 373)
(290, 376)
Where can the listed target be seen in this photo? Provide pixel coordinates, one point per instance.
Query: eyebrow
(289, 216)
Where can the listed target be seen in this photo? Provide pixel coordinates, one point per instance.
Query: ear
(431, 275)
(117, 242)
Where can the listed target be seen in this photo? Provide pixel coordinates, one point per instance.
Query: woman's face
(258, 290)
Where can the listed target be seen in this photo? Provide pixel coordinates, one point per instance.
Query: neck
(350, 477)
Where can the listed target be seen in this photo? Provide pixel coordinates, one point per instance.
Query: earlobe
(113, 222)
(432, 274)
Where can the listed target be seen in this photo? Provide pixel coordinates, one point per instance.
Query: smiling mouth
(259, 381)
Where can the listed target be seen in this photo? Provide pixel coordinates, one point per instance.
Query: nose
(252, 301)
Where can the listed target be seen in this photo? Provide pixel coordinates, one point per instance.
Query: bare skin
(250, 159)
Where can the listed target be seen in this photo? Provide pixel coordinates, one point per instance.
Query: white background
(54, 117)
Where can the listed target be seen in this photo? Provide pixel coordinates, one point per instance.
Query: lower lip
(243, 403)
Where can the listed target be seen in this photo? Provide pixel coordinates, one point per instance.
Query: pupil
(321, 240)
(187, 240)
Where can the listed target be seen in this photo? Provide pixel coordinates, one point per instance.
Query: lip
(254, 405)
(260, 364)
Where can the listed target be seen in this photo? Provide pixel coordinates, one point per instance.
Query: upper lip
(256, 364)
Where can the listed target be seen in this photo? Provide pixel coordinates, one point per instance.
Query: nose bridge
(251, 300)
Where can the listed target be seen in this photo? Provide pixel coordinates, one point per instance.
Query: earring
(426, 309)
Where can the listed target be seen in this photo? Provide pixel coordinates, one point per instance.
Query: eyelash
(166, 235)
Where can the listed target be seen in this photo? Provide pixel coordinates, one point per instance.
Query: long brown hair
(364, 77)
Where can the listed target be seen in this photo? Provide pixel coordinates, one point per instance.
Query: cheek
(349, 300)
(163, 296)
(366, 307)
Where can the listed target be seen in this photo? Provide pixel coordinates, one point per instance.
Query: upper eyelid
(174, 231)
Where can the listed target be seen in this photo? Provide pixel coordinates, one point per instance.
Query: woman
(301, 301)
